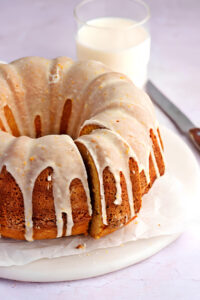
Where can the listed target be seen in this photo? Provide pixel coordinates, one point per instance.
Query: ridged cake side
(116, 178)
(12, 218)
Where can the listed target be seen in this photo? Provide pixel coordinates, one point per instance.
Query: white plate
(103, 261)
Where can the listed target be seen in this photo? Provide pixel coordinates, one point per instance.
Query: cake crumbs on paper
(81, 246)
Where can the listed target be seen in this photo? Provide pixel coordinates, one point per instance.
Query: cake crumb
(81, 246)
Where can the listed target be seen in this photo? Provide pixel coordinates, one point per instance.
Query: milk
(120, 43)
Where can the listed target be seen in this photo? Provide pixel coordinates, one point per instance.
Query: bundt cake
(79, 146)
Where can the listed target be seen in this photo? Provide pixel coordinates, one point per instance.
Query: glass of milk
(116, 33)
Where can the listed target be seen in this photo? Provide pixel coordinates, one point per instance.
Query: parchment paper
(164, 211)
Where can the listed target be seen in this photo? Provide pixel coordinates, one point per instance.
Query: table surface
(47, 28)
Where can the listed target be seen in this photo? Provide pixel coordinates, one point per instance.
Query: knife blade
(174, 113)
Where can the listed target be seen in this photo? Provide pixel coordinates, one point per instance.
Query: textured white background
(46, 28)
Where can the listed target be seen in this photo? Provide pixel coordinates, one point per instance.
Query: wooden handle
(195, 136)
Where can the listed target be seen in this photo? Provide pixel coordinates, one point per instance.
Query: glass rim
(139, 23)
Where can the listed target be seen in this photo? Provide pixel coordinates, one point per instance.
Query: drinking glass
(115, 32)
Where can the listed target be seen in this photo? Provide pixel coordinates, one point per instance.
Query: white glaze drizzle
(26, 158)
(109, 149)
(105, 147)
(131, 132)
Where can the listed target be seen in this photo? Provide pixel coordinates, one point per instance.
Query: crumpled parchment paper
(164, 211)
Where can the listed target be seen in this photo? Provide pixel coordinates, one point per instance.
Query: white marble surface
(47, 28)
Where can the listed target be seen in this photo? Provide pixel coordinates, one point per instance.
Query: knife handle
(194, 134)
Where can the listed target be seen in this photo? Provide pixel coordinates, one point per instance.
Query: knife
(174, 113)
